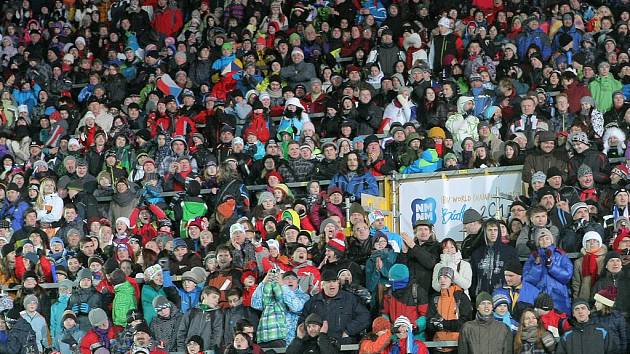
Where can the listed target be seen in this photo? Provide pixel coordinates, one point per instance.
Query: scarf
(483, 318)
(102, 336)
(589, 266)
(529, 334)
(400, 284)
(505, 318)
(618, 213)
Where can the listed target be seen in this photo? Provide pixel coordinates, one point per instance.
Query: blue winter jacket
(293, 303)
(56, 313)
(222, 62)
(365, 183)
(29, 98)
(376, 9)
(537, 37)
(571, 31)
(15, 212)
(552, 279)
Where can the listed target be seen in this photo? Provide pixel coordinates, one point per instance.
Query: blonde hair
(39, 204)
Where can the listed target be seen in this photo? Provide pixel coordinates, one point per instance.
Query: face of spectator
(473, 227)
(528, 107)
(547, 146)
(545, 241)
(603, 70)
(614, 265)
(331, 288)
(224, 259)
(492, 233)
(586, 181)
(422, 233)
(581, 313)
(361, 231)
(485, 308)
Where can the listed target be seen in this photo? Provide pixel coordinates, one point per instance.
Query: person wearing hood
(293, 118)
(533, 35)
(58, 313)
(488, 261)
(412, 152)
(484, 334)
(377, 265)
(463, 124)
(587, 269)
(568, 28)
(429, 160)
(585, 336)
(550, 270)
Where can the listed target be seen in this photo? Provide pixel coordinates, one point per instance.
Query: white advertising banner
(443, 201)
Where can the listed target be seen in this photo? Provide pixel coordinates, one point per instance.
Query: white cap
(73, 141)
(236, 228)
(297, 50)
(591, 235)
(22, 108)
(445, 22)
(238, 141)
(273, 244)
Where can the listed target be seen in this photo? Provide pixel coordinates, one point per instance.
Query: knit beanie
(265, 196)
(97, 316)
(544, 302)
(498, 300)
(481, 297)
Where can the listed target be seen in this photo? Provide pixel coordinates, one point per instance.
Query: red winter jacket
(91, 338)
(403, 305)
(258, 126)
(167, 21)
(43, 261)
(147, 231)
(184, 126)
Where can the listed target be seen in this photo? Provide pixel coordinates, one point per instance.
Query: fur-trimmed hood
(619, 134)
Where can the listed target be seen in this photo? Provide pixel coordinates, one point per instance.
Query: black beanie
(6, 249)
(514, 266)
(544, 302)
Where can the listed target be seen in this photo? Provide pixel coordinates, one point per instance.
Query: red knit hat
(276, 174)
(196, 222)
(337, 245)
(606, 296)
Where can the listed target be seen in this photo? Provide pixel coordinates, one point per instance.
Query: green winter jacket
(124, 300)
(602, 88)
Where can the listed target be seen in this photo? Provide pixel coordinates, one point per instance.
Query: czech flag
(234, 66)
(167, 85)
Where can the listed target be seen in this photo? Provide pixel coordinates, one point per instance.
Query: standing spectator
(100, 334)
(549, 269)
(531, 336)
(587, 268)
(346, 316)
(167, 20)
(586, 336)
(484, 334)
(488, 261)
(607, 317)
(603, 86)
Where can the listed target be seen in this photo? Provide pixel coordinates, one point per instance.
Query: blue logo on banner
(423, 209)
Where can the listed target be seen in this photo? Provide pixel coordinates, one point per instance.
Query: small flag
(167, 85)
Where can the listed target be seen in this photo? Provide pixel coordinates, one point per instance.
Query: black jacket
(420, 260)
(326, 169)
(313, 345)
(21, 339)
(343, 312)
(585, 338)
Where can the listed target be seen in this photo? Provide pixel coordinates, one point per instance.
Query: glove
(437, 323)
(75, 308)
(84, 307)
(531, 244)
(548, 257)
(69, 340)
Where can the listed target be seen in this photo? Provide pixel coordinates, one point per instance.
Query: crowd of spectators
(187, 175)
